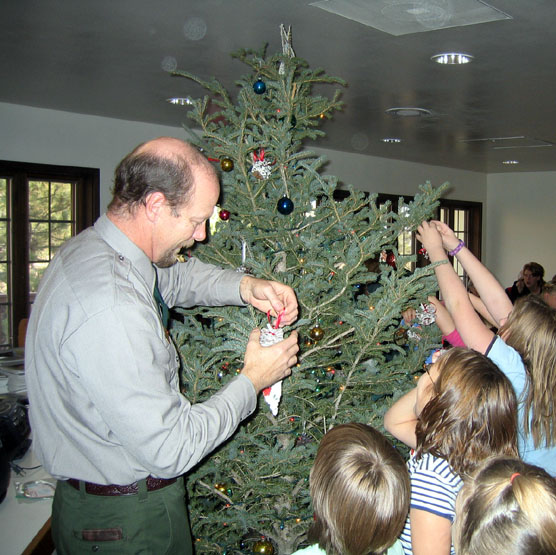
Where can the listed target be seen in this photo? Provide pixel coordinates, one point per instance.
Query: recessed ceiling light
(391, 140)
(408, 112)
(180, 100)
(510, 162)
(452, 58)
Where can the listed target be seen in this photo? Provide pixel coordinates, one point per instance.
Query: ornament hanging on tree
(243, 268)
(224, 215)
(423, 252)
(264, 547)
(285, 206)
(227, 164)
(426, 315)
(400, 337)
(261, 168)
(316, 333)
(391, 259)
(259, 86)
(269, 336)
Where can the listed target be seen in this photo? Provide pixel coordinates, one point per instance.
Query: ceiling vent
(403, 17)
(502, 143)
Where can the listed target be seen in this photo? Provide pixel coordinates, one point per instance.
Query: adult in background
(530, 280)
(108, 418)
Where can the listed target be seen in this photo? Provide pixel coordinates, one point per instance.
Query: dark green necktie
(162, 306)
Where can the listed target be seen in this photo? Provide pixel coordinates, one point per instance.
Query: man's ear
(154, 204)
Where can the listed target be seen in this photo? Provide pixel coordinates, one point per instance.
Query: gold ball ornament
(316, 333)
(227, 164)
(263, 546)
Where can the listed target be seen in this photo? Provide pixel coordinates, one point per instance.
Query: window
(465, 218)
(41, 206)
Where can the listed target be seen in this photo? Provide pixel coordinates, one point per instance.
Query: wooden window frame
(87, 210)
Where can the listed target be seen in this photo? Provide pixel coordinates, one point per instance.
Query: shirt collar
(125, 247)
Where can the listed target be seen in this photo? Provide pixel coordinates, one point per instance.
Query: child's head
(549, 293)
(508, 506)
(531, 331)
(472, 411)
(360, 491)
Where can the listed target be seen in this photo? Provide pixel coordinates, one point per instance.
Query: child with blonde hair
(462, 411)
(360, 491)
(508, 506)
(524, 349)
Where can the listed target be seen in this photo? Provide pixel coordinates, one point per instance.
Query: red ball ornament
(224, 215)
(391, 259)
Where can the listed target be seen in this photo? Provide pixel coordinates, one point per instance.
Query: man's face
(177, 232)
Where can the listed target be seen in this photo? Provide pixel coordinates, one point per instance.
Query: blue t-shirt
(509, 361)
(434, 488)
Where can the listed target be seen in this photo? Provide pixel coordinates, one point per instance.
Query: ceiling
(111, 58)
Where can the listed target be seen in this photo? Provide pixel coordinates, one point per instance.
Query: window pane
(60, 201)
(4, 325)
(3, 197)
(36, 271)
(4, 306)
(38, 242)
(3, 241)
(38, 200)
(3, 282)
(60, 233)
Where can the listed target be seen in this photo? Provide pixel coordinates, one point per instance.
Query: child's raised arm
(468, 323)
(490, 291)
(400, 419)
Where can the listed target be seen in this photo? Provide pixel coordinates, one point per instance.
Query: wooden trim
(42, 543)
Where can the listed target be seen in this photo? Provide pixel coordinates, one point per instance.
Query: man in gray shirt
(108, 419)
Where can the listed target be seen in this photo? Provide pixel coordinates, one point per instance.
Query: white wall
(521, 225)
(63, 138)
(382, 175)
(519, 215)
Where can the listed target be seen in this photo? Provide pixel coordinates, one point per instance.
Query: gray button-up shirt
(102, 377)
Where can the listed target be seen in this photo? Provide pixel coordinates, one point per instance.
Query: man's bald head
(165, 165)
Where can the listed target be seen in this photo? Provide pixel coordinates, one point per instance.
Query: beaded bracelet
(460, 246)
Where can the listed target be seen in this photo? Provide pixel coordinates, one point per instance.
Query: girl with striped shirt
(462, 411)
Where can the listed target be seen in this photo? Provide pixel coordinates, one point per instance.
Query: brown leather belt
(113, 489)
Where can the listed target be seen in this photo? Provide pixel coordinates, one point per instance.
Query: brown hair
(472, 415)
(508, 506)
(146, 170)
(360, 490)
(535, 268)
(531, 331)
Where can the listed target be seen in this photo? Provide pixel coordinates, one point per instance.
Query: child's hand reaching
(431, 239)
(449, 239)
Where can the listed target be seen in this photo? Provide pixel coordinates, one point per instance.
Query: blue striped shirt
(434, 487)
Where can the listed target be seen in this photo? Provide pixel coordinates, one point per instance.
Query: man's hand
(265, 366)
(270, 295)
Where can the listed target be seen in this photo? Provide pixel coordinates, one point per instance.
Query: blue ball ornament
(285, 206)
(259, 86)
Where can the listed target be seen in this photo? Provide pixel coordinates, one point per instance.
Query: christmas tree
(279, 219)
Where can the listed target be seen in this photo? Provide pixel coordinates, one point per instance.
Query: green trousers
(149, 523)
